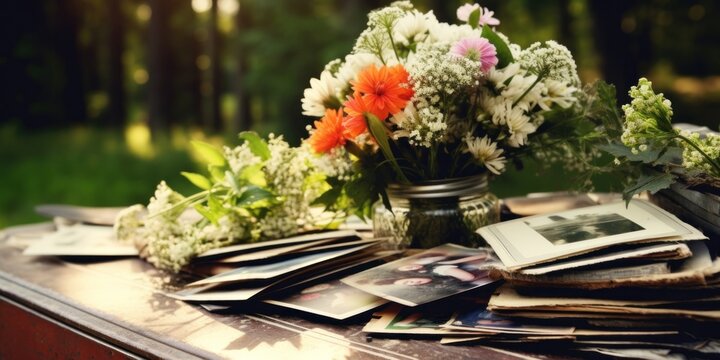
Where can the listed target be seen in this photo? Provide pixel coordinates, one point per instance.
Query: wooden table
(53, 308)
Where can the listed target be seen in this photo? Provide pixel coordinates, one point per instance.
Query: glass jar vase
(432, 213)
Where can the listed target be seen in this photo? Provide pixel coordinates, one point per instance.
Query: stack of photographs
(598, 279)
(609, 280)
(301, 273)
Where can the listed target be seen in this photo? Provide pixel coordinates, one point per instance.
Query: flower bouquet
(427, 110)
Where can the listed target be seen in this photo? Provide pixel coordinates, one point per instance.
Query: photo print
(434, 274)
(559, 229)
(333, 299)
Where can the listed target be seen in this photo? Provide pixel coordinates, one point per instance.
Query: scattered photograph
(272, 270)
(256, 246)
(482, 320)
(559, 229)
(434, 274)
(397, 319)
(80, 240)
(333, 299)
(214, 293)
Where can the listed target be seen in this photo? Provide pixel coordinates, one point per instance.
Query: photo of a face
(560, 230)
(431, 275)
(413, 281)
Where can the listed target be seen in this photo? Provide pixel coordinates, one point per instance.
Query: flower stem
(182, 204)
(540, 76)
(392, 42)
(433, 161)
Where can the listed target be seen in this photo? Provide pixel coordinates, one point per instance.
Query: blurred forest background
(101, 97)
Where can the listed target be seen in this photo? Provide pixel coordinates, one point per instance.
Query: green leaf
(671, 155)
(197, 180)
(217, 172)
(379, 132)
(254, 175)
(252, 194)
(652, 182)
(329, 198)
(474, 18)
(207, 213)
(230, 179)
(620, 150)
(215, 205)
(209, 153)
(257, 145)
(503, 50)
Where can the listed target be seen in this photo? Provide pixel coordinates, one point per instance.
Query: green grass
(81, 166)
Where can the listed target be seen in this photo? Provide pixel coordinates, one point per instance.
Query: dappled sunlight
(697, 87)
(139, 141)
(309, 344)
(198, 135)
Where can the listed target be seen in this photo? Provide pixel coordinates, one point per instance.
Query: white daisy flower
(322, 92)
(500, 76)
(519, 126)
(413, 27)
(557, 92)
(518, 87)
(486, 152)
(449, 34)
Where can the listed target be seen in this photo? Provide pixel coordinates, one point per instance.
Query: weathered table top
(123, 302)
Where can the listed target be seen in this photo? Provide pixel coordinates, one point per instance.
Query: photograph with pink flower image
(434, 274)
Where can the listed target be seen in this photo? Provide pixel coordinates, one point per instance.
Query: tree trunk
(618, 50)
(158, 64)
(66, 42)
(566, 34)
(214, 117)
(116, 71)
(242, 120)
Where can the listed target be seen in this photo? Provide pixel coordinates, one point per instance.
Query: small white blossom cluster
(240, 157)
(376, 38)
(167, 237)
(335, 164)
(438, 78)
(550, 57)
(694, 160)
(169, 233)
(286, 173)
(647, 119)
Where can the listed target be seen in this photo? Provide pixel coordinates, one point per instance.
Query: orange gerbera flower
(329, 132)
(386, 89)
(356, 107)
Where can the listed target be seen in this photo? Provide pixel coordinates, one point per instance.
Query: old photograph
(431, 275)
(540, 239)
(560, 229)
(333, 299)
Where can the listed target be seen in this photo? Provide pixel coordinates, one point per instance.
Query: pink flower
(477, 49)
(486, 16)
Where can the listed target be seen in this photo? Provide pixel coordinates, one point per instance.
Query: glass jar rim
(444, 188)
